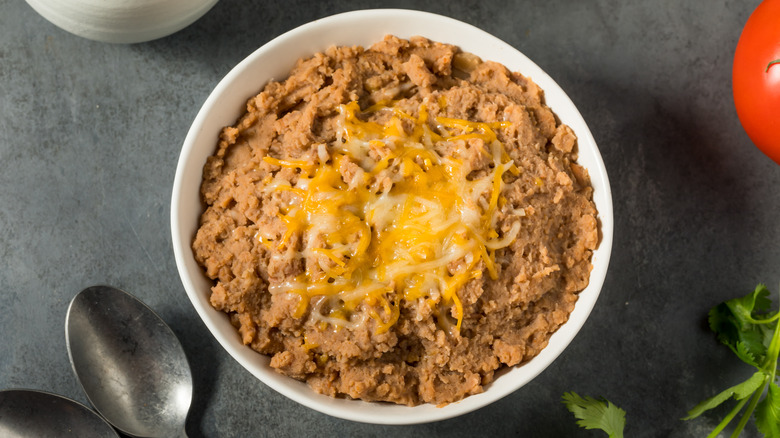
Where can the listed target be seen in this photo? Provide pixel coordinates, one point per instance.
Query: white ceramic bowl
(274, 60)
(122, 21)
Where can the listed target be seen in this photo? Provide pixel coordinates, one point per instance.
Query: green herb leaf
(768, 413)
(756, 302)
(751, 330)
(744, 352)
(735, 324)
(743, 390)
(596, 414)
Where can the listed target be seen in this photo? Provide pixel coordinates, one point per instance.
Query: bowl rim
(309, 36)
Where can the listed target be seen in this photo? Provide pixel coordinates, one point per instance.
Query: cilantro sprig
(750, 329)
(594, 413)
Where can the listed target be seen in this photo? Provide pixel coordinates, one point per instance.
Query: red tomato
(756, 78)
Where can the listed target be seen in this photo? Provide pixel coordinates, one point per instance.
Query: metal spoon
(27, 413)
(129, 362)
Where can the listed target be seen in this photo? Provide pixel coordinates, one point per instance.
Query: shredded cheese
(387, 219)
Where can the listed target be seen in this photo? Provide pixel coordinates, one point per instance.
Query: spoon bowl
(129, 362)
(26, 413)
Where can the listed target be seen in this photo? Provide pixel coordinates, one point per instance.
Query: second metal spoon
(27, 413)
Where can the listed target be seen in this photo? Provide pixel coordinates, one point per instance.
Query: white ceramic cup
(122, 21)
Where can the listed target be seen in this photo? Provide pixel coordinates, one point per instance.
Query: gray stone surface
(90, 135)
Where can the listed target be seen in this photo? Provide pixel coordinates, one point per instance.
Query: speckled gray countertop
(90, 135)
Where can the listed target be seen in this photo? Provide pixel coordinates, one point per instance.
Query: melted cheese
(385, 218)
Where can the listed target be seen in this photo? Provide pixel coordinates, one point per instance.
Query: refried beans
(397, 223)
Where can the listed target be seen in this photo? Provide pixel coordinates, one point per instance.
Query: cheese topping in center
(385, 218)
